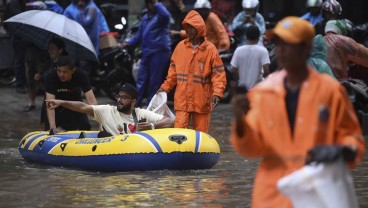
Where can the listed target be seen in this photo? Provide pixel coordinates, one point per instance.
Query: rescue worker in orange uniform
(293, 113)
(197, 72)
(215, 30)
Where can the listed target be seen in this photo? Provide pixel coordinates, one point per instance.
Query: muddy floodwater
(23, 184)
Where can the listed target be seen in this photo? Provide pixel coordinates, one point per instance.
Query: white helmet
(250, 4)
(202, 4)
(314, 3)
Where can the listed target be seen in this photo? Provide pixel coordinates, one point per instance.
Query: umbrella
(40, 26)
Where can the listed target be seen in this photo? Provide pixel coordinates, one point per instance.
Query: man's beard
(124, 108)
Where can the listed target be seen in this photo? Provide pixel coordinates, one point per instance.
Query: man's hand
(330, 153)
(160, 90)
(144, 126)
(215, 101)
(52, 104)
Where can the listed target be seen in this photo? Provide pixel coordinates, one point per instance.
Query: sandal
(29, 108)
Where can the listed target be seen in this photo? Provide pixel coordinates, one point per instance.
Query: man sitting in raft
(123, 118)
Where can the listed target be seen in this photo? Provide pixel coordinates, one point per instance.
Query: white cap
(250, 4)
(202, 4)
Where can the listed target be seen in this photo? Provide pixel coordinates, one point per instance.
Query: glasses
(123, 97)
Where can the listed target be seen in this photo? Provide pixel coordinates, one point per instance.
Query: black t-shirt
(70, 90)
(291, 100)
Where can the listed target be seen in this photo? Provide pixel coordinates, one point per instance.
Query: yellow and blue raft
(160, 149)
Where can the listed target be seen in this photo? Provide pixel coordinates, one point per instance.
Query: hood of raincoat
(319, 48)
(194, 19)
(75, 2)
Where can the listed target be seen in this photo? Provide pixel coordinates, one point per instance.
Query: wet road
(228, 184)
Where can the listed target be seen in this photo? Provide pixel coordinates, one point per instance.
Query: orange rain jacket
(215, 32)
(198, 74)
(324, 116)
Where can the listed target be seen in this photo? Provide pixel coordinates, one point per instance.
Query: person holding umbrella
(56, 50)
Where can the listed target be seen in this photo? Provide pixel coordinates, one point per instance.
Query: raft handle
(62, 146)
(41, 143)
(178, 138)
(82, 135)
(52, 131)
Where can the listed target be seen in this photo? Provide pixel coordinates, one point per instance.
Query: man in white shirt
(249, 60)
(120, 119)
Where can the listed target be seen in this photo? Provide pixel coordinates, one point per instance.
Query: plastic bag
(158, 105)
(323, 185)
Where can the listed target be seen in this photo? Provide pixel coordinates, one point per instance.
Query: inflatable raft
(171, 149)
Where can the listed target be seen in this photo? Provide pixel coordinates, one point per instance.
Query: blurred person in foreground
(341, 49)
(197, 72)
(294, 117)
(121, 119)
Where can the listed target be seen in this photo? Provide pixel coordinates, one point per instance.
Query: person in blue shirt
(314, 14)
(154, 37)
(85, 12)
(249, 16)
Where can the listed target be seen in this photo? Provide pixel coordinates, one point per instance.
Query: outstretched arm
(72, 105)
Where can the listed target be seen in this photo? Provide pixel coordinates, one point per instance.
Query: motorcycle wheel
(7, 77)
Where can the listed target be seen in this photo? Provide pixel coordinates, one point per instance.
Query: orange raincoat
(215, 32)
(198, 74)
(324, 116)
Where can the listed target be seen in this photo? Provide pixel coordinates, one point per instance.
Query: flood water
(228, 184)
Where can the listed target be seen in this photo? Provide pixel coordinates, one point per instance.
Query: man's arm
(90, 97)
(266, 70)
(50, 112)
(72, 105)
(165, 122)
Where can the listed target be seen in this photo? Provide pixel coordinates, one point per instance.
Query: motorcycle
(7, 76)
(114, 70)
(358, 95)
(226, 57)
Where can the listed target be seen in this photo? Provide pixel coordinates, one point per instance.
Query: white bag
(158, 105)
(320, 186)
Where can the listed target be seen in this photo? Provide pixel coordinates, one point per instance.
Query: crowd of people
(280, 116)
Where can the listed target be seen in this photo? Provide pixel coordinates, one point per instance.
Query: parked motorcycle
(358, 94)
(226, 57)
(7, 76)
(115, 69)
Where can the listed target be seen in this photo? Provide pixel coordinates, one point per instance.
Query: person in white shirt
(120, 119)
(249, 60)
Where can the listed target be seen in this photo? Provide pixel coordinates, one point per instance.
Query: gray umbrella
(40, 26)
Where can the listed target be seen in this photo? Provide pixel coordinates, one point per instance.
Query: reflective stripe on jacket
(324, 116)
